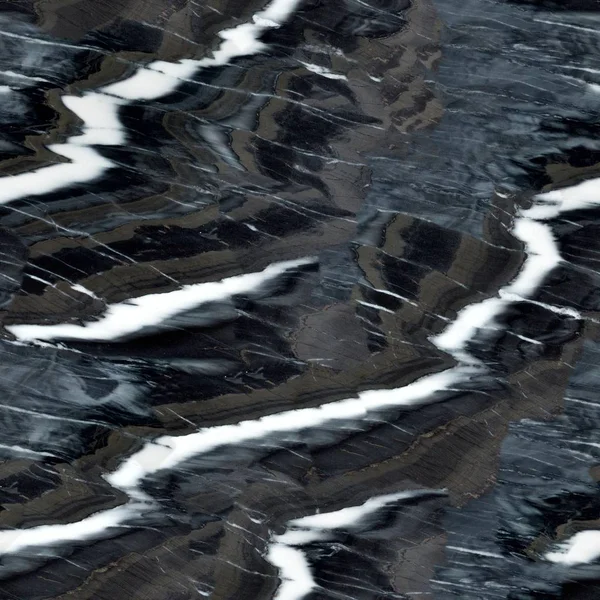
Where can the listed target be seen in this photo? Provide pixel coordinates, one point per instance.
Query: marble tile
(299, 299)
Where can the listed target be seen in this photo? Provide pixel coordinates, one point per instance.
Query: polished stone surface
(300, 299)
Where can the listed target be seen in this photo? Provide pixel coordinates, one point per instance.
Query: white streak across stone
(294, 571)
(542, 257)
(101, 126)
(160, 78)
(324, 71)
(125, 318)
(583, 547)
(98, 111)
(284, 550)
(99, 114)
(167, 452)
(96, 525)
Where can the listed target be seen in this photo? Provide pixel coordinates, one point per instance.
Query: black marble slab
(299, 300)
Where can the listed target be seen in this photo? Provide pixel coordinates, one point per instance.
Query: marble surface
(299, 299)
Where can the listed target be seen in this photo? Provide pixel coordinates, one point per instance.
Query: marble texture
(299, 299)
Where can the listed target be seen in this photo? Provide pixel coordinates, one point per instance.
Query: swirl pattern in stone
(299, 299)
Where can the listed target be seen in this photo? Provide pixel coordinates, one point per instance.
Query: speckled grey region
(299, 300)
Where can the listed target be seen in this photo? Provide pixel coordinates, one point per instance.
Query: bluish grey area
(517, 86)
(496, 545)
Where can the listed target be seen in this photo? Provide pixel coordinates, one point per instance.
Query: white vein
(98, 111)
(167, 452)
(284, 550)
(124, 318)
(583, 547)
